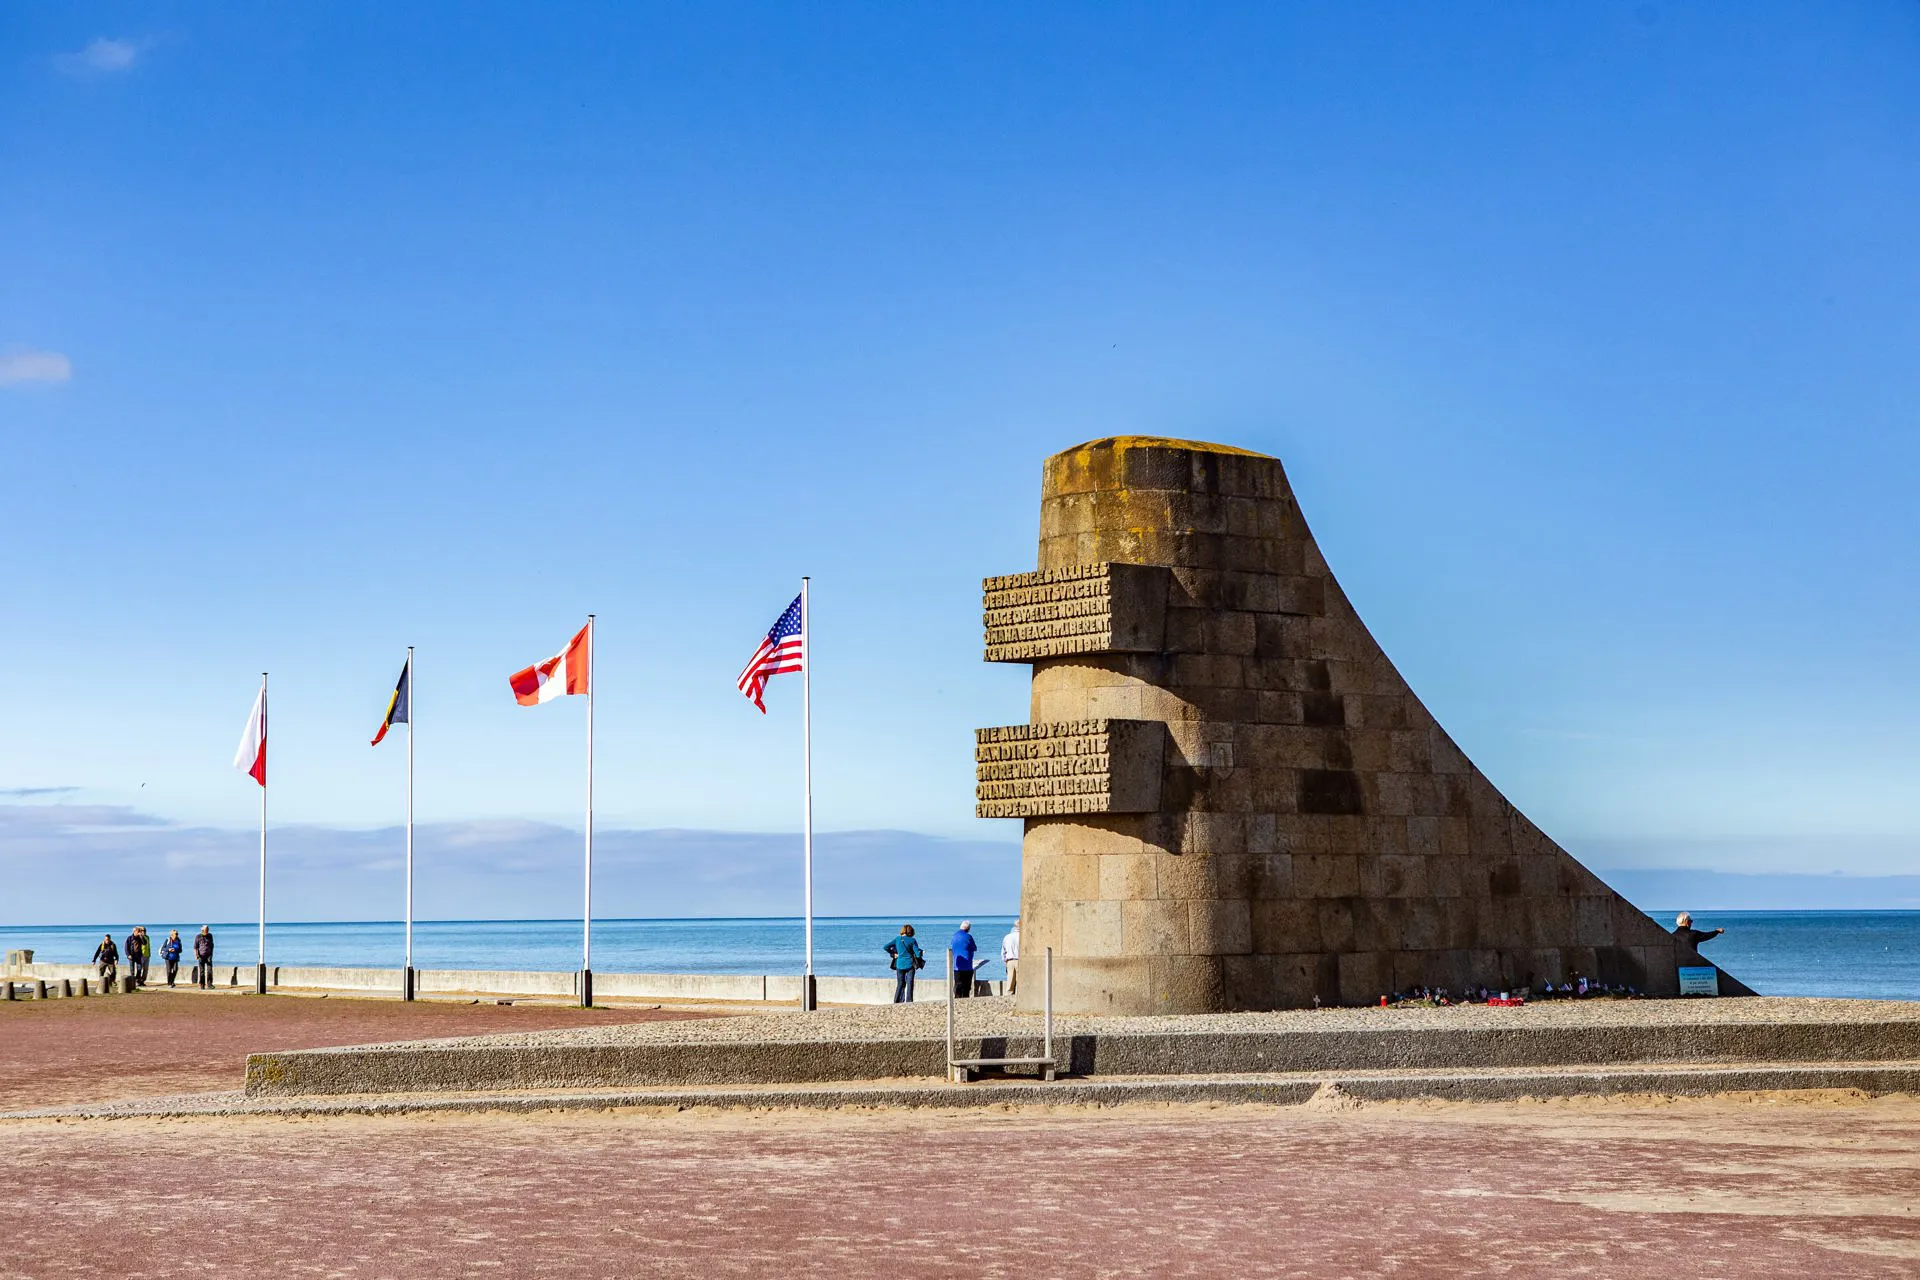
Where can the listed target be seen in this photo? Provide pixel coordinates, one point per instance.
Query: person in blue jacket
(170, 952)
(908, 960)
(963, 949)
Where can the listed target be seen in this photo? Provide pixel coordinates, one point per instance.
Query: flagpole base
(809, 994)
(406, 983)
(586, 988)
(260, 980)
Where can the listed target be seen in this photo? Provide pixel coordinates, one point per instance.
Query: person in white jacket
(1010, 957)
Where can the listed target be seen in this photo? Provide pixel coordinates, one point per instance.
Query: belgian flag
(400, 705)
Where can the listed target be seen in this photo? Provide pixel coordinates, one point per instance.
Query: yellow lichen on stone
(1120, 444)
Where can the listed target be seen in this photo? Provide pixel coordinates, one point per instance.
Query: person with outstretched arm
(1684, 932)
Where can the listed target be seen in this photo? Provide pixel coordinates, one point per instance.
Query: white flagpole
(586, 923)
(407, 994)
(260, 971)
(808, 999)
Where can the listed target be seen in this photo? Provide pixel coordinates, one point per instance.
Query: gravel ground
(1824, 1186)
(995, 1016)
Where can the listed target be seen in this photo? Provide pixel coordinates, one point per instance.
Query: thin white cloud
(101, 57)
(20, 365)
(63, 861)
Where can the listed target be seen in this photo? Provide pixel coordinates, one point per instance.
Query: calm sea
(1872, 954)
(842, 946)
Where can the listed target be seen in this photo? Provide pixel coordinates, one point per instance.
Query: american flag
(784, 650)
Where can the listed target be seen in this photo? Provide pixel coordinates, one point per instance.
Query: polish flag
(251, 758)
(545, 681)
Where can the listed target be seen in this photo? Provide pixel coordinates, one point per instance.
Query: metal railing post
(951, 1070)
(1047, 995)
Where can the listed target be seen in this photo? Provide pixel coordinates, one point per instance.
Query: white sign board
(1699, 980)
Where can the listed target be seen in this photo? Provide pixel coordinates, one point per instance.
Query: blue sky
(1587, 334)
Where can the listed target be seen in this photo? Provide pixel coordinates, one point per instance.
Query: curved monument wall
(1232, 800)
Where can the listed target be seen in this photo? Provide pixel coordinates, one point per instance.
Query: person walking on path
(963, 948)
(170, 952)
(203, 957)
(1684, 932)
(908, 960)
(1010, 957)
(136, 956)
(107, 957)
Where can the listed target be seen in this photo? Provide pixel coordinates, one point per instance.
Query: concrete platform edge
(423, 1069)
(1287, 1090)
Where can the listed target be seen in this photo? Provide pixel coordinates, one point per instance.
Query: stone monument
(1232, 800)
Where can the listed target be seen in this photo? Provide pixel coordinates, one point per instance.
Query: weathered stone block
(1155, 926)
(1335, 923)
(1402, 876)
(1269, 875)
(1127, 875)
(1284, 924)
(1187, 875)
(1094, 834)
(1593, 921)
(1103, 985)
(1187, 982)
(1092, 929)
(1326, 875)
(1206, 831)
(1365, 976)
(1300, 834)
(1219, 928)
(1233, 875)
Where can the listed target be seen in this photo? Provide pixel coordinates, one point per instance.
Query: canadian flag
(251, 758)
(565, 673)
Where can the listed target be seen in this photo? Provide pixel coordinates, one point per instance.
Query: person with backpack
(170, 953)
(203, 957)
(137, 952)
(908, 960)
(107, 957)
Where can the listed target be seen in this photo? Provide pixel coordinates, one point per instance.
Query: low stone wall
(224, 975)
(54, 972)
(510, 1065)
(781, 989)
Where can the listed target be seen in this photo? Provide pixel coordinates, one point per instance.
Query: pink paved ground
(1765, 1188)
(106, 1048)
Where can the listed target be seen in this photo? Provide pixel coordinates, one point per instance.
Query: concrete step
(1279, 1089)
